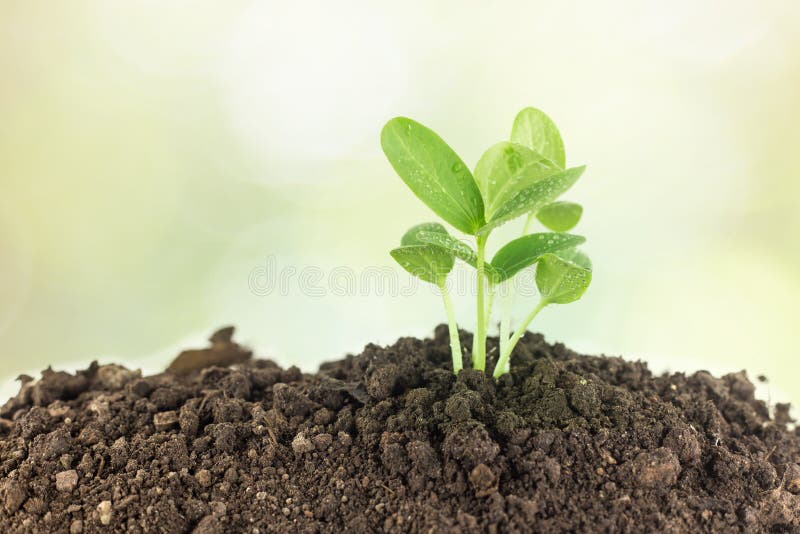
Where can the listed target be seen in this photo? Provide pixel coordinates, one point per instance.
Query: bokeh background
(153, 155)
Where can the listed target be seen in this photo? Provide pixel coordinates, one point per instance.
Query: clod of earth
(391, 440)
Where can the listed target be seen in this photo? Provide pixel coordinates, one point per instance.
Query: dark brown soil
(391, 441)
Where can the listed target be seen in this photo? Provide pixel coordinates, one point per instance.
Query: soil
(391, 441)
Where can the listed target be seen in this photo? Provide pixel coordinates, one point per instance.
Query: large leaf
(411, 238)
(426, 262)
(561, 281)
(560, 216)
(535, 130)
(526, 250)
(434, 172)
(507, 168)
(534, 197)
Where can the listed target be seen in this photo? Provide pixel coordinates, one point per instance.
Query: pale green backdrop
(154, 154)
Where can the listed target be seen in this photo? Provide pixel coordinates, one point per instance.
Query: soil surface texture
(391, 441)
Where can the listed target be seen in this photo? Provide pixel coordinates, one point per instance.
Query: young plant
(521, 177)
(431, 264)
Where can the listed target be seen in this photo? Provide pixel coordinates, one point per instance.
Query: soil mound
(391, 441)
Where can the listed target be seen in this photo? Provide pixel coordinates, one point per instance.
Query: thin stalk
(479, 343)
(505, 320)
(518, 333)
(455, 342)
(508, 301)
(490, 300)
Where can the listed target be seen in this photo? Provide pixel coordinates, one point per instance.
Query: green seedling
(431, 264)
(522, 177)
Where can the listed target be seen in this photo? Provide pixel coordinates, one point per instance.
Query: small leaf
(534, 197)
(575, 256)
(560, 216)
(526, 250)
(434, 172)
(535, 130)
(457, 248)
(410, 237)
(505, 169)
(426, 262)
(561, 281)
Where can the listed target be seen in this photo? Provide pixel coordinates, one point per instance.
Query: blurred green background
(154, 154)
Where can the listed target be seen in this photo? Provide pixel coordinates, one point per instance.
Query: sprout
(521, 177)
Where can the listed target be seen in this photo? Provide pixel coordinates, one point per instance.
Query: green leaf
(535, 130)
(434, 172)
(575, 256)
(457, 248)
(526, 250)
(426, 262)
(410, 237)
(507, 168)
(534, 197)
(561, 281)
(560, 216)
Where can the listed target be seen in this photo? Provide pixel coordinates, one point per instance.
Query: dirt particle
(225, 437)
(585, 399)
(164, 421)
(552, 469)
(33, 423)
(227, 410)
(52, 445)
(382, 381)
(473, 446)
(91, 434)
(76, 527)
(142, 387)
(189, 420)
(175, 453)
(113, 377)
(344, 438)
(765, 474)
(67, 480)
(208, 525)
(203, 477)
(459, 406)
(424, 459)
(15, 496)
(683, 442)
(323, 416)
(118, 453)
(740, 386)
(322, 441)
(302, 445)
(104, 512)
(792, 479)
(656, 469)
(483, 481)
(291, 402)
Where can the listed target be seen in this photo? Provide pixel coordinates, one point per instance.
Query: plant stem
(508, 303)
(490, 300)
(518, 333)
(479, 342)
(455, 342)
(505, 321)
